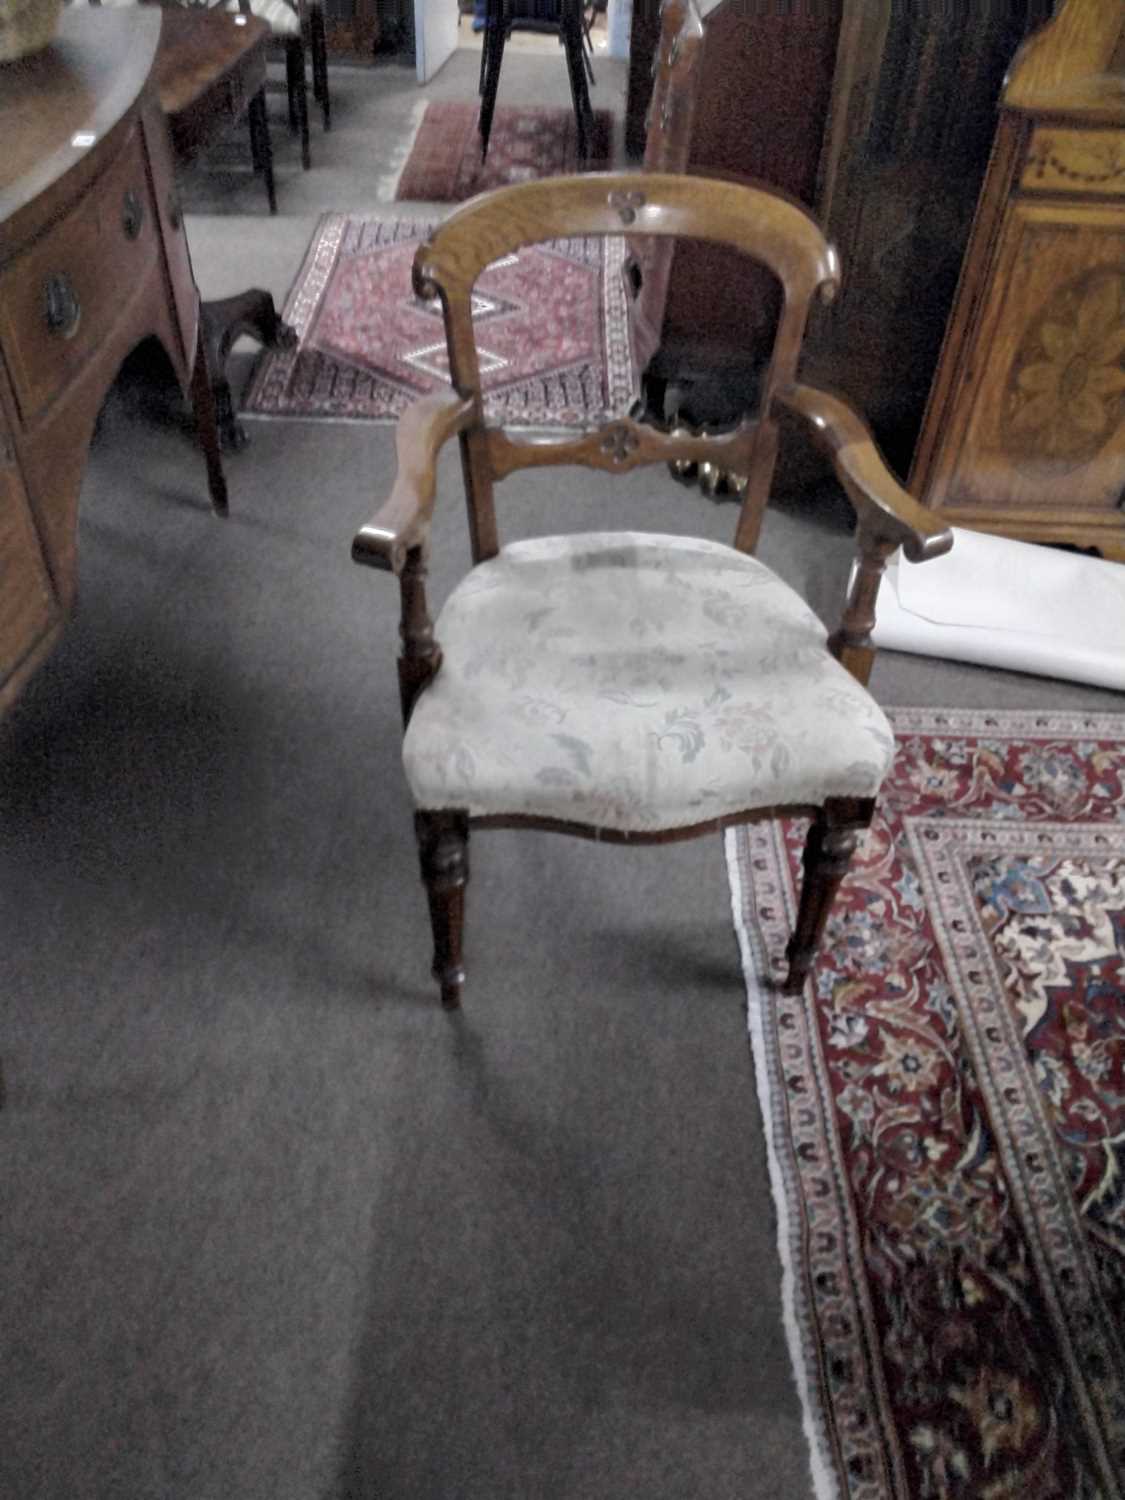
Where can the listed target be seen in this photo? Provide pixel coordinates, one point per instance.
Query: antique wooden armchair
(630, 686)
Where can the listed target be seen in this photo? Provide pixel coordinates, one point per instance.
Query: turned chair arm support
(401, 525)
(887, 513)
(887, 516)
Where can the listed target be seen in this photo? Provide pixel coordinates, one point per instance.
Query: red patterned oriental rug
(444, 164)
(552, 323)
(945, 1113)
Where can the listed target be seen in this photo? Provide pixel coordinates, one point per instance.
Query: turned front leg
(443, 847)
(828, 852)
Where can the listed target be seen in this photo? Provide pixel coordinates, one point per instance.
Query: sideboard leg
(203, 405)
(260, 147)
(222, 323)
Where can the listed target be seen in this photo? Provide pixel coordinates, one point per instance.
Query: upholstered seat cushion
(636, 682)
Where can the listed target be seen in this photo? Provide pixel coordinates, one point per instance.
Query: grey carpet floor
(273, 1226)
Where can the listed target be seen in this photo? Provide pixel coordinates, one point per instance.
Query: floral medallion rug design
(444, 164)
(552, 321)
(945, 1113)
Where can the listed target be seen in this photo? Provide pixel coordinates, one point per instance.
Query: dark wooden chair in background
(561, 18)
(627, 686)
(296, 33)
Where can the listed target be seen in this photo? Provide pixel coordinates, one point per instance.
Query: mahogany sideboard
(93, 260)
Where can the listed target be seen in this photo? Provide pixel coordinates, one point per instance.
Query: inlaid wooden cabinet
(1025, 429)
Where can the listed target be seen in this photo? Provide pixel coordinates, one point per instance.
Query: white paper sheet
(1009, 604)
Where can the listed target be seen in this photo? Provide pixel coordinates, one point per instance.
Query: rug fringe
(825, 1485)
(388, 183)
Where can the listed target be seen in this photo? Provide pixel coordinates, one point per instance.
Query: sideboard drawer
(27, 606)
(60, 299)
(1090, 162)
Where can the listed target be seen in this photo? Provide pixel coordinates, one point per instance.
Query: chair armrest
(402, 523)
(887, 513)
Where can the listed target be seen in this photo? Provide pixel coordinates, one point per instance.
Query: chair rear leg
(443, 848)
(828, 851)
(494, 58)
(580, 98)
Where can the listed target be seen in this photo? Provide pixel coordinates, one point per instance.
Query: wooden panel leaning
(487, 782)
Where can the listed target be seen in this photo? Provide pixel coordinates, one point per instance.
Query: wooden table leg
(318, 45)
(260, 144)
(203, 405)
(298, 94)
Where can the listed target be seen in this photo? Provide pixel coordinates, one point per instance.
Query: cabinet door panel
(1047, 383)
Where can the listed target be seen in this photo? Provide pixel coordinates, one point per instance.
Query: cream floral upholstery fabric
(636, 682)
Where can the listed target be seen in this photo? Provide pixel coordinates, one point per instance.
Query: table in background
(210, 71)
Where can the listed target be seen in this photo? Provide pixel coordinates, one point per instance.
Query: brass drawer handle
(62, 308)
(132, 215)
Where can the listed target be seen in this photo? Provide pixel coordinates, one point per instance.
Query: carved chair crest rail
(631, 686)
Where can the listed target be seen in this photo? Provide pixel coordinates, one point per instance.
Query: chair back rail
(774, 231)
(771, 229)
(621, 445)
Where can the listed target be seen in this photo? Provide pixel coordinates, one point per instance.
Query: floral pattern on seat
(636, 682)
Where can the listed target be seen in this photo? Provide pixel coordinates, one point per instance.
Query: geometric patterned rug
(945, 1116)
(552, 323)
(444, 165)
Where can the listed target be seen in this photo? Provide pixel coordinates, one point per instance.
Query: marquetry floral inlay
(1092, 162)
(1066, 394)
